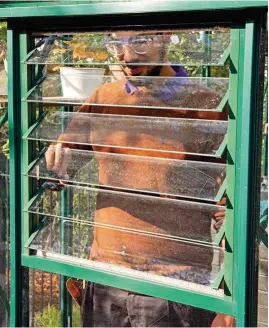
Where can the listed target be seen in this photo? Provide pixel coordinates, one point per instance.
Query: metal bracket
(35, 125)
(33, 163)
(225, 56)
(48, 43)
(37, 230)
(220, 234)
(220, 277)
(222, 147)
(37, 83)
(221, 191)
(47, 185)
(223, 102)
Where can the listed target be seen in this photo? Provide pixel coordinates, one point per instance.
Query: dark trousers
(105, 306)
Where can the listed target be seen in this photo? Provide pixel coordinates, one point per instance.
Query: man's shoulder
(195, 95)
(111, 86)
(107, 92)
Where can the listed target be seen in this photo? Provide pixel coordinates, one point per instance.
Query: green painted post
(247, 183)
(231, 158)
(65, 238)
(17, 83)
(20, 116)
(15, 193)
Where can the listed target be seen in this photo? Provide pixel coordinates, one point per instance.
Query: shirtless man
(112, 306)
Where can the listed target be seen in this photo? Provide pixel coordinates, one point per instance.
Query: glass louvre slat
(147, 214)
(184, 48)
(160, 175)
(192, 136)
(127, 252)
(135, 92)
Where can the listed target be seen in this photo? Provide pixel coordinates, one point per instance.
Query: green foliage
(83, 48)
(194, 46)
(75, 316)
(51, 317)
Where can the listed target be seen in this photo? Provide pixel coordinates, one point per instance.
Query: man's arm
(223, 320)
(58, 154)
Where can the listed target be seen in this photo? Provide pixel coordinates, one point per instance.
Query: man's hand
(219, 217)
(58, 158)
(223, 320)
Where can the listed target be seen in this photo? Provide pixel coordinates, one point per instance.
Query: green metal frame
(65, 299)
(15, 195)
(146, 287)
(80, 8)
(240, 228)
(248, 171)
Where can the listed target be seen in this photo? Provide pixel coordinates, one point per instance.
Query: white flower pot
(80, 82)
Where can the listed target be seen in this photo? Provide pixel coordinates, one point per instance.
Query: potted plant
(80, 81)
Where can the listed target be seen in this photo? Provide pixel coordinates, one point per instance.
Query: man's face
(136, 48)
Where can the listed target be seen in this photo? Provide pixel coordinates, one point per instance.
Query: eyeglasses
(139, 44)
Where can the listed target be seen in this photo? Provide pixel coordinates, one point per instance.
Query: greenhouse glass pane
(140, 255)
(146, 214)
(175, 135)
(183, 47)
(192, 93)
(163, 176)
